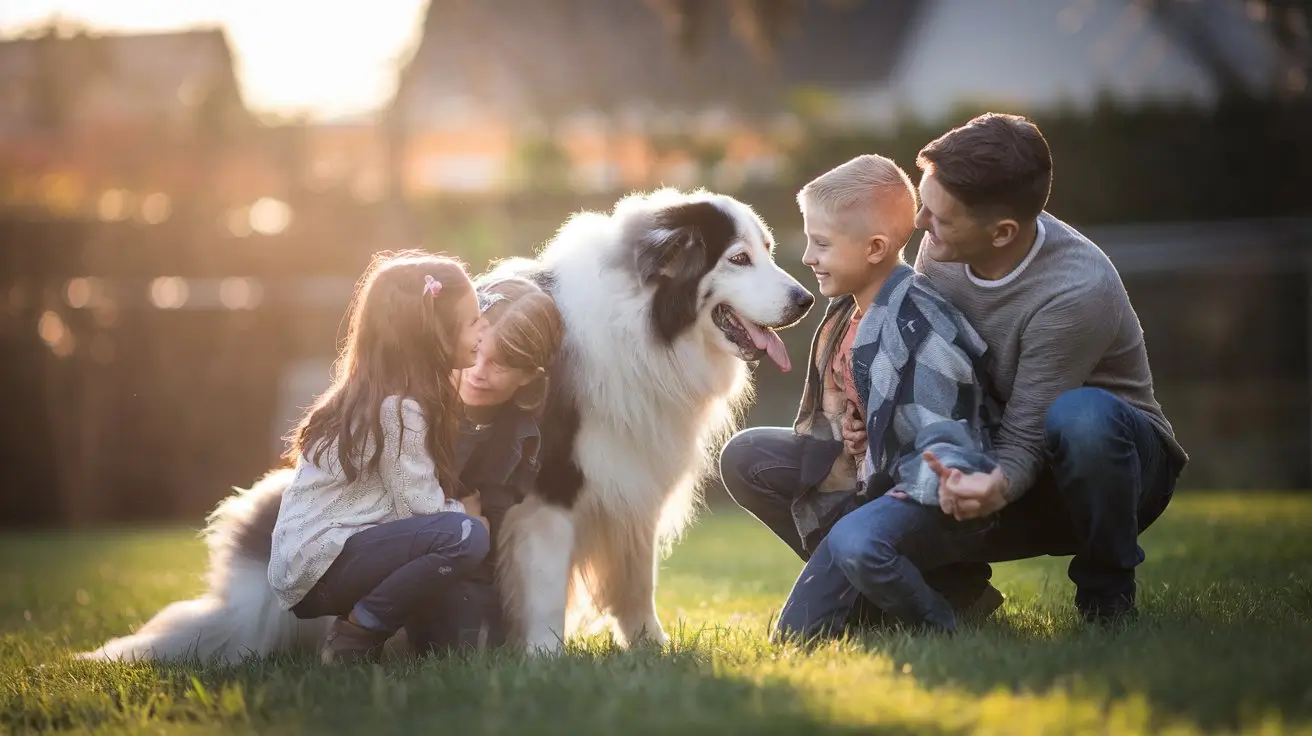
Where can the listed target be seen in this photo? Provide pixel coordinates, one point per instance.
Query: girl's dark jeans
(389, 574)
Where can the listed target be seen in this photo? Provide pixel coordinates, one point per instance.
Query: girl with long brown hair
(371, 529)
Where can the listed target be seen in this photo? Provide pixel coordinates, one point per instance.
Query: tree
(1285, 20)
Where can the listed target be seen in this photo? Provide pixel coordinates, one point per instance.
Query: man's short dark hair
(995, 162)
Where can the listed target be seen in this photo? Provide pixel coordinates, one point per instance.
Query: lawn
(1224, 645)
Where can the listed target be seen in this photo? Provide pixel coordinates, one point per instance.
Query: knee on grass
(858, 553)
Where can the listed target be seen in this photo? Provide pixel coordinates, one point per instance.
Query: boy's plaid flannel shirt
(917, 364)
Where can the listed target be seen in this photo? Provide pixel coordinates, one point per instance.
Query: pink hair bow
(432, 287)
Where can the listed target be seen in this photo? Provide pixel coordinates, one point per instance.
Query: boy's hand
(854, 431)
(968, 495)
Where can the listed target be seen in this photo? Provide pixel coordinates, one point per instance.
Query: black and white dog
(665, 301)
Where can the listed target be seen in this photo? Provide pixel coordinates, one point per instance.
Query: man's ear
(1005, 232)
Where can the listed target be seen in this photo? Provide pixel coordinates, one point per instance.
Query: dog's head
(710, 262)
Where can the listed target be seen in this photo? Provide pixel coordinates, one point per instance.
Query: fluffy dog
(665, 300)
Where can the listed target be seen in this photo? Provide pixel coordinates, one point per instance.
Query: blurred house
(607, 86)
(1036, 55)
(626, 106)
(156, 249)
(347, 155)
(119, 125)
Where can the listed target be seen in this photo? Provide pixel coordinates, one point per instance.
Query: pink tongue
(768, 341)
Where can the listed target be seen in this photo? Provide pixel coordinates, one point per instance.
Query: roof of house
(558, 57)
(543, 57)
(149, 73)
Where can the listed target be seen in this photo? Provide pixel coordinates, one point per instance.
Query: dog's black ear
(683, 245)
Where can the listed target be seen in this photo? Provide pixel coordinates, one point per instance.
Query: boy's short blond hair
(860, 187)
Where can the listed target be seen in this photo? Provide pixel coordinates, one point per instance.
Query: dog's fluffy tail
(239, 615)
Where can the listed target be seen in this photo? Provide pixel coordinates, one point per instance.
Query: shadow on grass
(1222, 640)
(611, 693)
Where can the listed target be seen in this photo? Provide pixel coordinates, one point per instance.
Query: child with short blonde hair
(895, 371)
(857, 218)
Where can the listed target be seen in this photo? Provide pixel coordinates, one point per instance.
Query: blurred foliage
(1154, 163)
(541, 165)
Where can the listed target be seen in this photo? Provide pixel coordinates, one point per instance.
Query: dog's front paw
(658, 639)
(648, 635)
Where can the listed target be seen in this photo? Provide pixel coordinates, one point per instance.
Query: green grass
(1224, 645)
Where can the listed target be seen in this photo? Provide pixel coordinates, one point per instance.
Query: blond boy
(891, 362)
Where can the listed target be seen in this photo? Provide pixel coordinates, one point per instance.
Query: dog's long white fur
(238, 615)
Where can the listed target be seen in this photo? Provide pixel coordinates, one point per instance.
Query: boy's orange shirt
(839, 388)
(843, 365)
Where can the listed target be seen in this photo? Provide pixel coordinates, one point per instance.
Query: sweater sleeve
(407, 470)
(1059, 348)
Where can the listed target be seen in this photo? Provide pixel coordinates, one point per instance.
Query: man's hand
(473, 504)
(968, 495)
(854, 431)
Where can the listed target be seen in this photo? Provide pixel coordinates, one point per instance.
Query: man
(1087, 459)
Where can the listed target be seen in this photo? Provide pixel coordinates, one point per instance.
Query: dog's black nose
(803, 299)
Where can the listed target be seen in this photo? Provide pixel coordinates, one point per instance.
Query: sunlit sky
(322, 58)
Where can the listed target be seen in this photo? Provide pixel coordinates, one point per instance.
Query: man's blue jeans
(1109, 475)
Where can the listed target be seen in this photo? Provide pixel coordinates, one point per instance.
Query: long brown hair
(525, 329)
(400, 343)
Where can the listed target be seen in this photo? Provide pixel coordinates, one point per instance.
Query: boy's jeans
(878, 551)
(391, 573)
(762, 470)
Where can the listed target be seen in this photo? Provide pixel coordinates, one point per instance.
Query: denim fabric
(763, 469)
(1109, 475)
(881, 551)
(387, 574)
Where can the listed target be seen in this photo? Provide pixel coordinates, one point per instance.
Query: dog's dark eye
(741, 259)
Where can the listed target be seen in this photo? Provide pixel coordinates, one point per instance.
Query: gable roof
(539, 57)
(149, 74)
